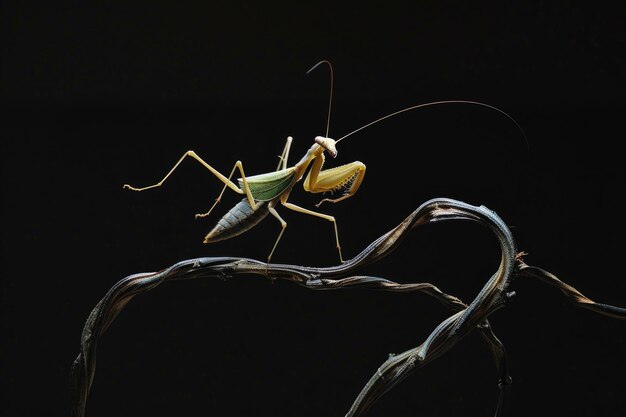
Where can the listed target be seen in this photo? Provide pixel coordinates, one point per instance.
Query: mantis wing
(266, 187)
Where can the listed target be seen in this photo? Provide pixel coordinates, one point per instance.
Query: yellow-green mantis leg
(348, 176)
(226, 180)
(282, 164)
(283, 201)
(282, 159)
(283, 225)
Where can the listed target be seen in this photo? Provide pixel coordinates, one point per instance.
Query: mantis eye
(328, 144)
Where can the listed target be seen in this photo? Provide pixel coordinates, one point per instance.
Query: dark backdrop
(101, 95)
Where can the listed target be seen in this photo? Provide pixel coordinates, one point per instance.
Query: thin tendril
(330, 100)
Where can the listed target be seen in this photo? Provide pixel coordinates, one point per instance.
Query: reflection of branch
(396, 368)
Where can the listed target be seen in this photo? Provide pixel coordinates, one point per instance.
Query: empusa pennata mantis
(264, 191)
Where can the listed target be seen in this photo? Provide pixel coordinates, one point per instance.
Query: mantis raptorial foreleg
(283, 201)
(226, 180)
(282, 159)
(349, 177)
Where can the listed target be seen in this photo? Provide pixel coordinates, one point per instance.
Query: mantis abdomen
(238, 220)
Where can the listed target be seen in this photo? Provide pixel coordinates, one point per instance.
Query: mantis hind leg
(227, 183)
(226, 180)
(195, 156)
(299, 209)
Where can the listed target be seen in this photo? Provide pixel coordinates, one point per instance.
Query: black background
(110, 93)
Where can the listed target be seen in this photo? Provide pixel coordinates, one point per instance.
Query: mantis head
(328, 144)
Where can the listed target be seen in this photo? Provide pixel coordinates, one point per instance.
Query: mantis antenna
(330, 99)
(418, 106)
(436, 103)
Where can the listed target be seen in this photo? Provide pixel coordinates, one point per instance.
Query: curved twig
(466, 317)
(572, 294)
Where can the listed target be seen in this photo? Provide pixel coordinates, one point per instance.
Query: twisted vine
(464, 319)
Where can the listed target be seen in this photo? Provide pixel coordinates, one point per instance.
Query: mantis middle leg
(283, 225)
(282, 159)
(283, 201)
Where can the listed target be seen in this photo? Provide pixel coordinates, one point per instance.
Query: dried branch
(572, 294)
(466, 317)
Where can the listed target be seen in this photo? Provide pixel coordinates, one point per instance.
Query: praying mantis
(263, 192)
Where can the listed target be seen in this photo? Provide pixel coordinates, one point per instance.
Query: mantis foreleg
(348, 177)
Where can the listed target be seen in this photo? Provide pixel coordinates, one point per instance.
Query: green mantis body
(264, 191)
